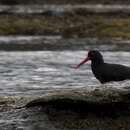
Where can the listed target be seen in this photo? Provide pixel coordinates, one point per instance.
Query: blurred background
(33, 23)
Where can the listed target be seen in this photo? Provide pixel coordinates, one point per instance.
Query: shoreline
(72, 25)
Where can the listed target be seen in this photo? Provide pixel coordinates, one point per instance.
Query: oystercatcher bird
(105, 72)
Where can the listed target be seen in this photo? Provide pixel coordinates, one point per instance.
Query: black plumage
(106, 72)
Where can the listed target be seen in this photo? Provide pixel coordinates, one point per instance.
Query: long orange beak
(82, 62)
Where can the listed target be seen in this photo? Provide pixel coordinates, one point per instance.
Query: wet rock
(6, 104)
(81, 100)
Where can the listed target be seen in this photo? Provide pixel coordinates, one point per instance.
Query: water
(29, 73)
(27, 43)
(25, 74)
(59, 10)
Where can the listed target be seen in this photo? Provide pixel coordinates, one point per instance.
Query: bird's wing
(117, 72)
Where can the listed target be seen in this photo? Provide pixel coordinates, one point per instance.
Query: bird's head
(93, 55)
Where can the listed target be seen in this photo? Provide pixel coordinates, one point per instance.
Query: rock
(82, 99)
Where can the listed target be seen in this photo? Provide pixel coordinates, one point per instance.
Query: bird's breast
(98, 71)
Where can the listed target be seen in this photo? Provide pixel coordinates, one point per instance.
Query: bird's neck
(97, 62)
(97, 66)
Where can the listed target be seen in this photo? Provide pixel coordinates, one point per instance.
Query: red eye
(91, 54)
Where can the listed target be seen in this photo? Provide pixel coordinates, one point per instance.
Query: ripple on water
(45, 69)
(50, 69)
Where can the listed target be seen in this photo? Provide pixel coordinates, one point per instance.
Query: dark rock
(84, 100)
